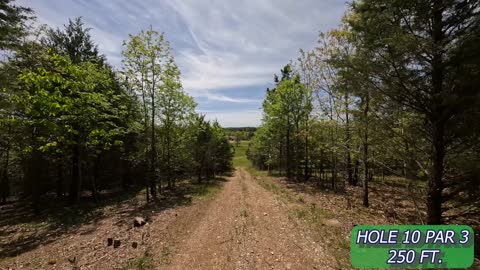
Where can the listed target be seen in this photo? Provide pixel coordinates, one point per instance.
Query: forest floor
(237, 222)
(244, 221)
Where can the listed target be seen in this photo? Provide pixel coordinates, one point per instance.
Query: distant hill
(248, 129)
(240, 133)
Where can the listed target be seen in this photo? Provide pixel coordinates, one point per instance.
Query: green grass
(205, 191)
(240, 159)
(399, 181)
(315, 216)
(142, 263)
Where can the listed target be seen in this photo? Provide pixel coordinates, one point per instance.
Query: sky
(227, 50)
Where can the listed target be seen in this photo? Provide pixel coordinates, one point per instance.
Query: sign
(411, 246)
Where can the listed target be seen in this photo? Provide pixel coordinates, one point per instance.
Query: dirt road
(241, 225)
(248, 227)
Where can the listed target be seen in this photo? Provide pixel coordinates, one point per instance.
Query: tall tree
(419, 51)
(175, 109)
(147, 57)
(74, 41)
(12, 24)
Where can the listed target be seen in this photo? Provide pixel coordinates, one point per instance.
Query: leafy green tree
(175, 109)
(147, 58)
(60, 106)
(286, 111)
(75, 42)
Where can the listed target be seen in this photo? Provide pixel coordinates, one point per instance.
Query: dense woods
(392, 92)
(72, 125)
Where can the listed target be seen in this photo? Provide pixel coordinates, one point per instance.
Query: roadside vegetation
(81, 140)
(387, 103)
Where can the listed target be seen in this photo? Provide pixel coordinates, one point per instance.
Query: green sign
(411, 246)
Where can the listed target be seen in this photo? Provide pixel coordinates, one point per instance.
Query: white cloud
(215, 97)
(242, 43)
(247, 118)
(220, 46)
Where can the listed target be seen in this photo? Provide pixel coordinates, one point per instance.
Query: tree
(75, 42)
(146, 59)
(60, 105)
(286, 110)
(419, 51)
(12, 24)
(175, 109)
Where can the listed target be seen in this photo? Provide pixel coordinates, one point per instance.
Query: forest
(72, 126)
(392, 92)
(112, 166)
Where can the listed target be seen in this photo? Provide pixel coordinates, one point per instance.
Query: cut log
(116, 243)
(138, 222)
(109, 241)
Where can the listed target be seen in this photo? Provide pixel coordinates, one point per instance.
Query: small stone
(52, 262)
(271, 252)
(138, 222)
(333, 222)
(265, 214)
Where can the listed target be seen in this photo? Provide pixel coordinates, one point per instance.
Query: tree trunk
(297, 156)
(33, 176)
(306, 173)
(74, 184)
(435, 183)
(169, 169)
(4, 180)
(355, 172)
(365, 152)
(289, 171)
(94, 180)
(347, 143)
(153, 175)
(59, 179)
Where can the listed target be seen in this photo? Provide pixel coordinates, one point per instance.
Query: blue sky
(227, 50)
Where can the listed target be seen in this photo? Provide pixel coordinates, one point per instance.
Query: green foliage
(69, 122)
(211, 151)
(280, 142)
(69, 101)
(74, 42)
(393, 91)
(12, 24)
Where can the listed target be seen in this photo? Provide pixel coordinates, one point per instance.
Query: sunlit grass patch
(144, 262)
(205, 190)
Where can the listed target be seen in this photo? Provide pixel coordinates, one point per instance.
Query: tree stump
(116, 243)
